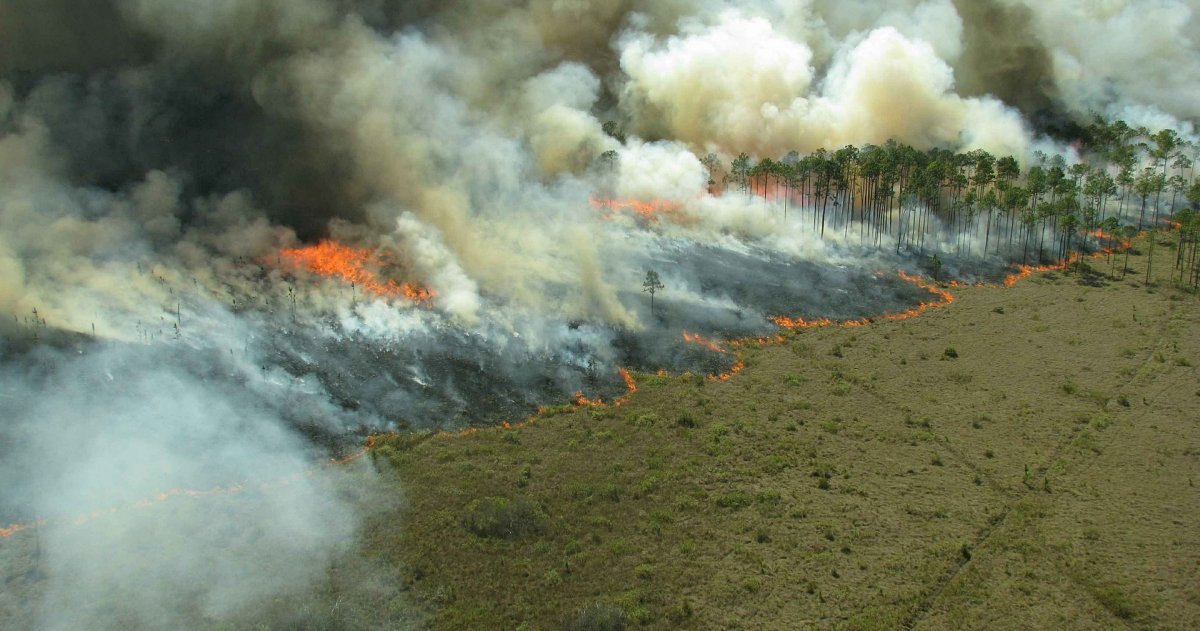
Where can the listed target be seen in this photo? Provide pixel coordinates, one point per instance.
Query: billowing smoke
(516, 167)
(141, 432)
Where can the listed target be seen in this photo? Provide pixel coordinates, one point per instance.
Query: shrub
(1116, 601)
(597, 617)
(501, 518)
(736, 500)
(681, 612)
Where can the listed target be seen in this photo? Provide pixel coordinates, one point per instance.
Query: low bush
(502, 518)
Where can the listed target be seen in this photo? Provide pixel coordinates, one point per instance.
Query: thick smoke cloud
(157, 158)
(140, 432)
(695, 87)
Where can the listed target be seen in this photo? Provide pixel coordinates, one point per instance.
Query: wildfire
(648, 211)
(358, 266)
(716, 347)
(1100, 234)
(800, 323)
(1025, 271)
(944, 298)
(700, 340)
(351, 264)
(630, 384)
(14, 529)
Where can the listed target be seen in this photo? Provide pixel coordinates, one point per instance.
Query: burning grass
(361, 267)
(648, 211)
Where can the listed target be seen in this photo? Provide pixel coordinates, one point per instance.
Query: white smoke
(708, 88)
(1125, 58)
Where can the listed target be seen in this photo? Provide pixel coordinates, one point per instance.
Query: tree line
(893, 195)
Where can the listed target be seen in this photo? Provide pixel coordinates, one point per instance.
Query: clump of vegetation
(555, 410)
(1116, 601)
(597, 617)
(681, 612)
(950, 353)
(736, 500)
(502, 518)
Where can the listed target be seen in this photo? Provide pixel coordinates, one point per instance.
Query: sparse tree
(652, 285)
(739, 171)
(712, 163)
(612, 129)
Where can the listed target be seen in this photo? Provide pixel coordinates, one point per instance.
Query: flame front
(358, 266)
(944, 298)
(716, 347)
(649, 211)
(1026, 271)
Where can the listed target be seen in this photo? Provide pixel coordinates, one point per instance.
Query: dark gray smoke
(1002, 57)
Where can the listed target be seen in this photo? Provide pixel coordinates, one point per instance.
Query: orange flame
(354, 265)
(716, 347)
(700, 340)
(13, 529)
(649, 211)
(1101, 234)
(1025, 271)
(944, 298)
(630, 385)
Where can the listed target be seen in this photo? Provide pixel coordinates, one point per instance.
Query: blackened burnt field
(339, 363)
(441, 376)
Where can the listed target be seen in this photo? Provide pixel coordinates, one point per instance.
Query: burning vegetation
(360, 267)
(249, 236)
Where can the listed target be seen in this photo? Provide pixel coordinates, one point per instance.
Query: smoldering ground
(156, 158)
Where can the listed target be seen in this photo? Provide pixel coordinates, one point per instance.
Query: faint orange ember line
(163, 496)
(651, 211)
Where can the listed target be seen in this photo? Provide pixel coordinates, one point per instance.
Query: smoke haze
(157, 158)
